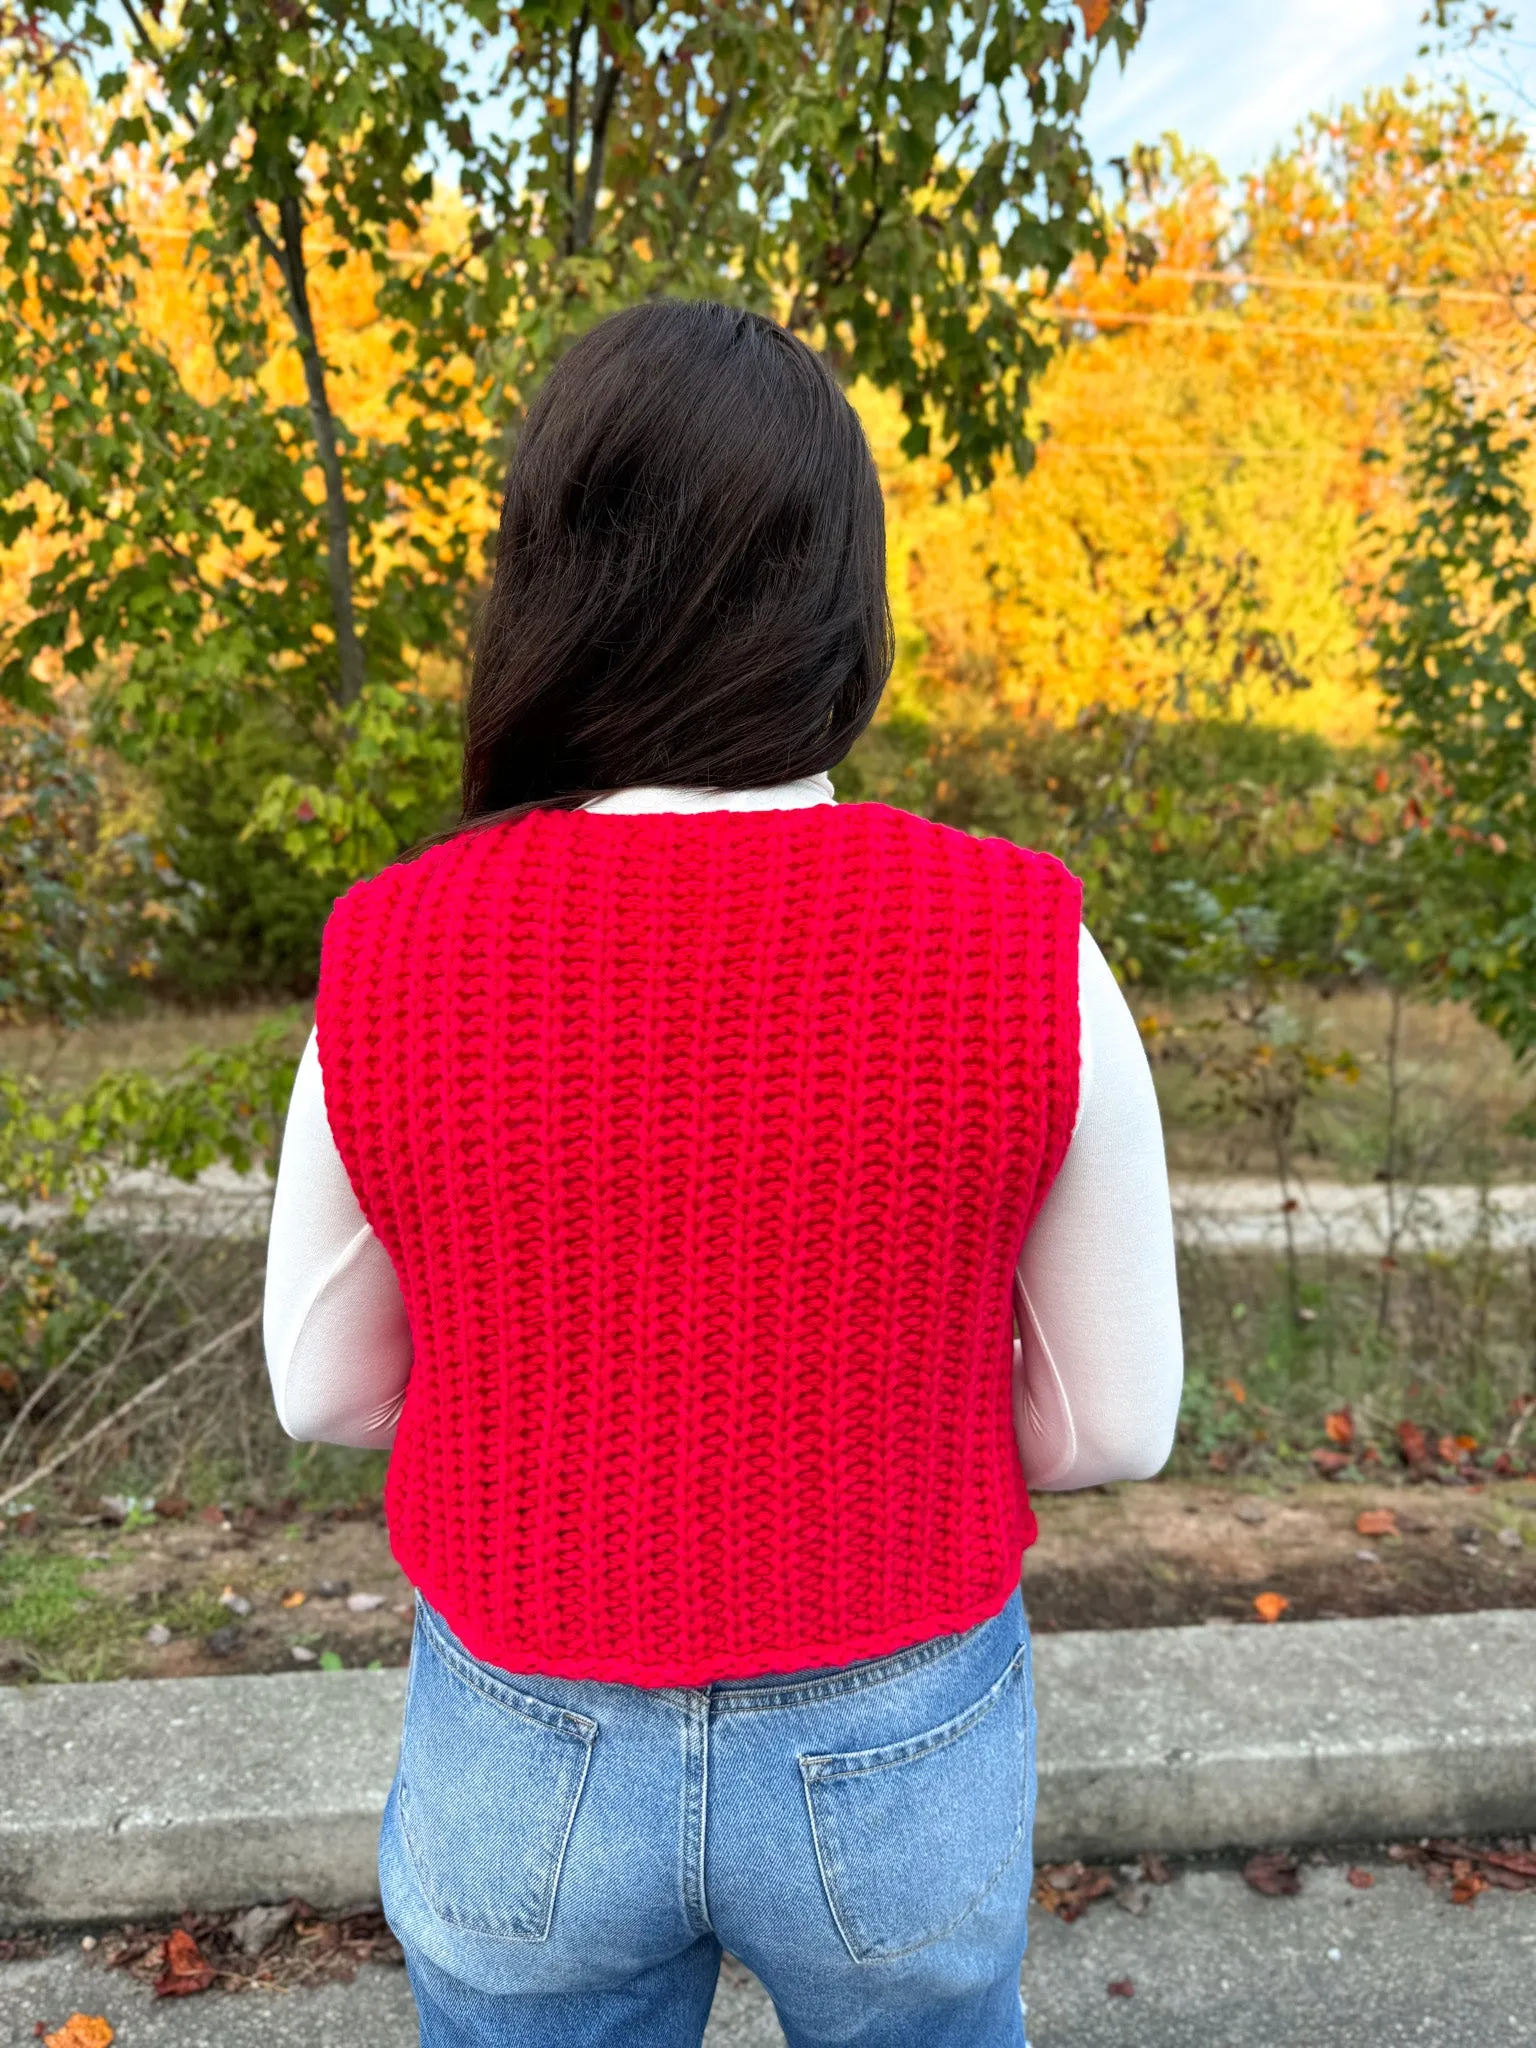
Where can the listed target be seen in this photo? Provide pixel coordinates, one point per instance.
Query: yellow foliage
(1237, 418)
(1232, 418)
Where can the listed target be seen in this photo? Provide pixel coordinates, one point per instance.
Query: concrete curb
(132, 1799)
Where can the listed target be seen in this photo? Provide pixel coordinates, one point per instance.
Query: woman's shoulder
(963, 843)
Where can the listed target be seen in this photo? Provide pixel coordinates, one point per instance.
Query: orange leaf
(1412, 1441)
(187, 1970)
(1448, 1450)
(1377, 1522)
(1236, 1389)
(81, 2030)
(1095, 13)
(1270, 1606)
(1339, 1427)
(1466, 1443)
(295, 1598)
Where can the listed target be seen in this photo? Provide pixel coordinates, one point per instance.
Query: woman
(675, 1152)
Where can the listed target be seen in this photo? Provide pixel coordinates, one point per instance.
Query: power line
(1239, 329)
(1210, 450)
(1270, 281)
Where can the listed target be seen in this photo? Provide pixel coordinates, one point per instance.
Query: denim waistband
(805, 1688)
(780, 1689)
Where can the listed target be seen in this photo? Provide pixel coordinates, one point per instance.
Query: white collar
(655, 796)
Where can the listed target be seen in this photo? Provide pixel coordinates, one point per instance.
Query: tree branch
(850, 264)
(708, 146)
(572, 122)
(50, 1465)
(602, 114)
(289, 258)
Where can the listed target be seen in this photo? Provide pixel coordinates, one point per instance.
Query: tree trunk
(289, 257)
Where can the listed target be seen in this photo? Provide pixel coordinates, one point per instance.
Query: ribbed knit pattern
(704, 1148)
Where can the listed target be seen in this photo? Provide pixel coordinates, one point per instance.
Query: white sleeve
(1098, 1374)
(337, 1339)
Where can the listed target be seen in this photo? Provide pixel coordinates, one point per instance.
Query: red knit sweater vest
(704, 1147)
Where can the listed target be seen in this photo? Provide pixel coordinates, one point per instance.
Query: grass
(1456, 1354)
(1457, 1092)
(156, 1038)
(53, 1620)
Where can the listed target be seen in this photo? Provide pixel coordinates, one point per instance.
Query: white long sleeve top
(1098, 1362)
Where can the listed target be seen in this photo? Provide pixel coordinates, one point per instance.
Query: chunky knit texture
(704, 1148)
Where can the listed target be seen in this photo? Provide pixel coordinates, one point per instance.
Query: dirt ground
(210, 1594)
(1176, 1552)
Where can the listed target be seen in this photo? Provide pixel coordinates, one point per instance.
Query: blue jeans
(563, 1860)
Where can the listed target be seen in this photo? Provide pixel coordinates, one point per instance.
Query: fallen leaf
(1377, 1522)
(1339, 1427)
(1518, 1863)
(1120, 1987)
(1362, 1880)
(1154, 1868)
(173, 1508)
(259, 1926)
(1270, 1606)
(1095, 13)
(1448, 1451)
(295, 1597)
(1413, 1443)
(185, 1969)
(1329, 1463)
(1466, 1884)
(81, 2030)
(1069, 1889)
(1237, 1390)
(1466, 1443)
(1273, 1873)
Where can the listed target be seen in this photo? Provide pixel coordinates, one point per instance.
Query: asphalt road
(1212, 1965)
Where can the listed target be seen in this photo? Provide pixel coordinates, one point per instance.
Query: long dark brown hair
(690, 570)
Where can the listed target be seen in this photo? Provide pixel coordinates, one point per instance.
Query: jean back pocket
(488, 1786)
(910, 1838)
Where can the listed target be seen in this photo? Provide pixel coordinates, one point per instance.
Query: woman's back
(704, 1148)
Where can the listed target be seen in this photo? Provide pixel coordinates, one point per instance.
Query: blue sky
(1235, 76)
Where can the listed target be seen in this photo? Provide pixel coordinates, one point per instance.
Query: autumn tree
(1456, 651)
(893, 183)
